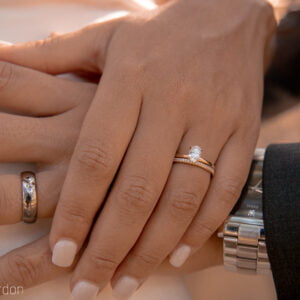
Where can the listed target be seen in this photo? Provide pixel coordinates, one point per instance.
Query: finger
(177, 207)
(232, 169)
(37, 140)
(107, 131)
(209, 255)
(83, 50)
(49, 184)
(28, 266)
(142, 177)
(21, 268)
(30, 92)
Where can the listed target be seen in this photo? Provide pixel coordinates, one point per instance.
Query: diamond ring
(194, 158)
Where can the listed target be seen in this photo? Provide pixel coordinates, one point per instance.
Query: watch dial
(250, 202)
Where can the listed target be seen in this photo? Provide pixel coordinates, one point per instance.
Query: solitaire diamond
(195, 153)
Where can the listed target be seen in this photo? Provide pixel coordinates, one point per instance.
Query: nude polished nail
(64, 253)
(84, 290)
(180, 255)
(125, 287)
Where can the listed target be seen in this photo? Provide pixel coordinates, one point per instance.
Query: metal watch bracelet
(244, 245)
(245, 248)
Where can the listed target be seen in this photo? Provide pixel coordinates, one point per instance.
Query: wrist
(260, 10)
(263, 8)
(254, 19)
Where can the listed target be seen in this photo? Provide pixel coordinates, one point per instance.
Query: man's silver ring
(29, 197)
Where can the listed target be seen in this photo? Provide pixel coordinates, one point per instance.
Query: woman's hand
(189, 73)
(27, 92)
(47, 138)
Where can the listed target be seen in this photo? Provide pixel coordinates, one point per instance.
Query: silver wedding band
(29, 197)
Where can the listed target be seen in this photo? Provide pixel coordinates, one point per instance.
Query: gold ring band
(202, 160)
(194, 159)
(29, 197)
(199, 164)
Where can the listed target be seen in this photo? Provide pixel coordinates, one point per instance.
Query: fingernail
(180, 255)
(64, 253)
(84, 290)
(125, 287)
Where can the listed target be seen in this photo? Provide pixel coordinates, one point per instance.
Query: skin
(188, 73)
(22, 266)
(67, 103)
(44, 105)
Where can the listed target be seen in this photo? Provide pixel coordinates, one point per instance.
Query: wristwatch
(244, 246)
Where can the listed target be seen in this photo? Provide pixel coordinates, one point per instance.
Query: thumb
(82, 50)
(28, 266)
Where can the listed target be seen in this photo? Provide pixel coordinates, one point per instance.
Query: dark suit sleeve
(281, 207)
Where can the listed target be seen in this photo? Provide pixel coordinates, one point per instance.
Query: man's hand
(42, 126)
(28, 266)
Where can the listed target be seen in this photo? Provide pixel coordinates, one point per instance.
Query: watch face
(250, 202)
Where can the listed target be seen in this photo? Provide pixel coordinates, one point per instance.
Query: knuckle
(146, 259)
(184, 203)
(46, 44)
(229, 190)
(202, 230)
(94, 158)
(72, 212)
(137, 195)
(99, 261)
(22, 270)
(6, 74)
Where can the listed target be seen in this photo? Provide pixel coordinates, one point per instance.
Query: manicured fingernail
(84, 290)
(64, 253)
(125, 287)
(180, 255)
